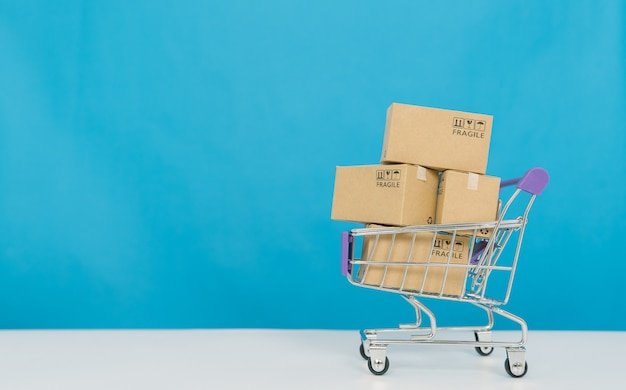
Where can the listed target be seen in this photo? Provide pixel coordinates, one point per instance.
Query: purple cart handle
(346, 239)
(533, 181)
(479, 248)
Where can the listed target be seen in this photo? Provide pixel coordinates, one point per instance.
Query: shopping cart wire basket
(473, 263)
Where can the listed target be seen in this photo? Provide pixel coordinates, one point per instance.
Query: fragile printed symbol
(469, 124)
(388, 174)
(430, 220)
(445, 244)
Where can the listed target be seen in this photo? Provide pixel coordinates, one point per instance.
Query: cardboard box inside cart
(436, 138)
(396, 194)
(392, 276)
(467, 197)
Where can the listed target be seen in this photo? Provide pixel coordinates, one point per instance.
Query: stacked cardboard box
(407, 248)
(398, 194)
(432, 170)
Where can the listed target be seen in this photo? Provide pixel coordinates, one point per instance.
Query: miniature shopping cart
(465, 262)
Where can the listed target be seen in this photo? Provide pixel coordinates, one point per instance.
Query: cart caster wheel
(378, 367)
(483, 351)
(364, 355)
(517, 371)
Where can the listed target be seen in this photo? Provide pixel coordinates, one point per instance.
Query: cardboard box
(422, 245)
(398, 194)
(436, 138)
(467, 197)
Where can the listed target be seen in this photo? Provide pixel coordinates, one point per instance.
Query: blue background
(170, 164)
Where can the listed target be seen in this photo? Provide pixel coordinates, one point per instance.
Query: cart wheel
(517, 372)
(362, 351)
(378, 367)
(482, 351)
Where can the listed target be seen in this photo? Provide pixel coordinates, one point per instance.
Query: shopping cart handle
(533, 181)
(479, 248)
(346, 239)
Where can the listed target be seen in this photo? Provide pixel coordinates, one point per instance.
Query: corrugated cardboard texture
(395, 274)
(385, 194)
(436, 138)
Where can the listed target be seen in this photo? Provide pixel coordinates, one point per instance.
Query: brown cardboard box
(397, 194)
(394, 275)
(467, 197)
(436, 138)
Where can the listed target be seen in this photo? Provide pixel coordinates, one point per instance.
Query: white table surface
(293, 359)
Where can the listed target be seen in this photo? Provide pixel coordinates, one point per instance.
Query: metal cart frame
(485, 260)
